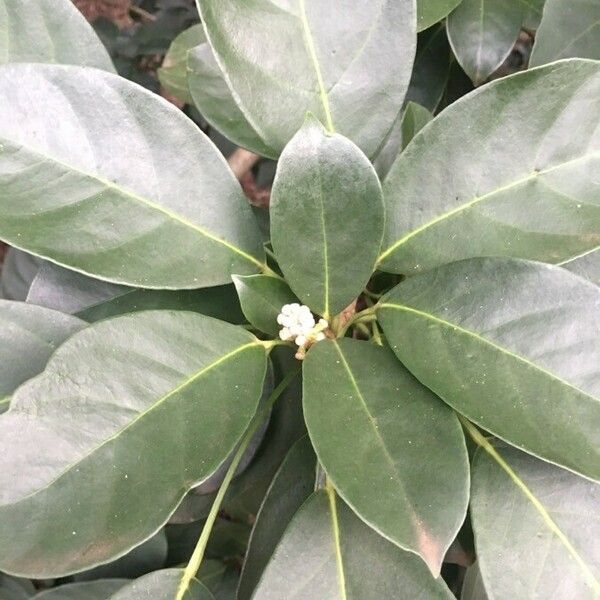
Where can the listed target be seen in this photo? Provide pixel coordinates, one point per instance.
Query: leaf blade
(513, 363)
(390, 423)
(118, 213)
(540, 206)
(172, 407)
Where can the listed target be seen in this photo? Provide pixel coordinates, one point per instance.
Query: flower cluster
(298, 325)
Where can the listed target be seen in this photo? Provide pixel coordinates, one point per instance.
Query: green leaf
(92, 299)
(49, 31)
(567, 29)
(149, 556)
(536, 527)
(513, 345)
(429, 12)
(532, 13)
(587, 266)
(173, 74)
(473, 586)
(18, 271)
(482, 34)
(286, 426)
(102, 589)
(262, 297)
(108, 197)
(326, 218)
(211, 95)
(129, 414)
(481, 197)
(415, 117)
(349, 64)
(28, 336)
(394, 452)
(329, 553)
(162, 585)
(431, 69)
(292, 485)
(12, 588)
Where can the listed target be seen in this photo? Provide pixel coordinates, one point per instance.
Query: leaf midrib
(142, 200)
(537, 504)
(483, 340)
(451, 213)
(188, 381)
(335, 530)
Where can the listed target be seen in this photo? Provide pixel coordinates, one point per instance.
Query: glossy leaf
(93, 299)
(162, 585)
(429, 12)
(346, 61)
(155, 402)
(262, 297)
(326, 218)
(588, 266)
(292, 485)
(482, 34)
(213, 98)
(481, 198)
(109, 201)
(394, 452)
(173, 72)
(102, 589)
(431, 69)
(329, 553)
(567, 29)
(49, 31)
(28, 336)
(415, 117)
(536, 527)
(513, 345)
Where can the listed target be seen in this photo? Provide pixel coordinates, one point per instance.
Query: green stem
(364, 315)
(376, 334)
(196, 560)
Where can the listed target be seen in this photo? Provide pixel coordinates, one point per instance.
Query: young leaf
(28, 336)
(513, 345)
(49, 31)
(429, 12)
(129, 414)
(93, 299)
(102, 589)
(326, 218)
(162, 584)
(482, 34)
(212, 96)
(173, 74)
(536, 527)
(314, 63)
(292, 485)
(394, 452)
(262, 297)
(108, 196)
(328, 552)
(481, 198)
(587, 266)
(431, 69)
(567, 29)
